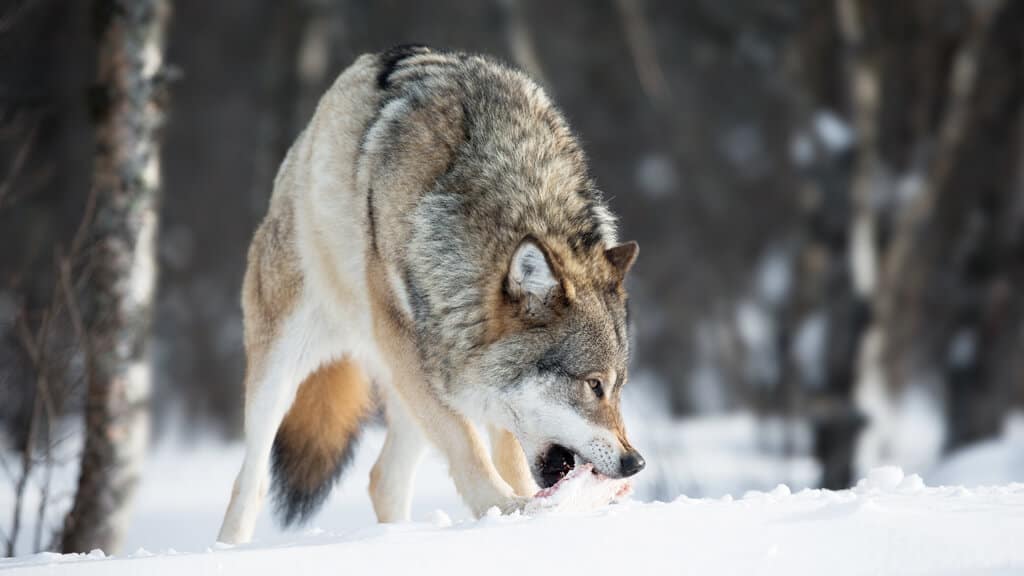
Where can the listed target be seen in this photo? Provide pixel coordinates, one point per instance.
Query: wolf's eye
(596, 387)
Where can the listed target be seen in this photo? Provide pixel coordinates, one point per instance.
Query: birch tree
(118, 296)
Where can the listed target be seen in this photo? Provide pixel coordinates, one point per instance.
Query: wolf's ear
(531, 278)
(623, 256)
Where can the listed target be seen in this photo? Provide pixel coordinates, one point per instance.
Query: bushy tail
(317, 438)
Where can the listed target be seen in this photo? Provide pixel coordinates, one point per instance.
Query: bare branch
(44, 497)
(36, 347)
(83, 226)
(8, 20)
(26, 471)
(641, 47)
(68, 291)
(6, 468)
(520, 39)
(962, 83)
(898, 269)
(18, 164)
(951, 132)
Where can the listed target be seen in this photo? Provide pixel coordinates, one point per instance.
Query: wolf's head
(564, 351)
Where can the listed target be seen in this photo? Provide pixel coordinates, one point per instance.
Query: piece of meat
(580, 490)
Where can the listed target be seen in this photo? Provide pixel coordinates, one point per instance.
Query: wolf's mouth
(555, 463)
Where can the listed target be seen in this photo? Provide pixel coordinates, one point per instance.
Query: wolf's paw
(514, 505)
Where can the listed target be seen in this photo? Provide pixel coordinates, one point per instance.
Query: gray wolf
(433, 242)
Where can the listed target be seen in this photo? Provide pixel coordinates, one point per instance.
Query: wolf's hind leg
(511, 462)
(290, 360)
(263, 415)
(393, 476)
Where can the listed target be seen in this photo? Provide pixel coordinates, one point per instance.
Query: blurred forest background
(829, 197)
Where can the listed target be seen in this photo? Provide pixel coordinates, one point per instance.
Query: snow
(801, 150)
(656, 175)
(706, 387)
(863, 257)
(905, 428)
(756, 329)
(963, 348)
(745, 521)
(728, 454)
(755, 326)
(890, 523)
(809, 349)
(774, 276)
(909, 187)
(918, 427)
(744, 148)
(996, 461)
(833, 132)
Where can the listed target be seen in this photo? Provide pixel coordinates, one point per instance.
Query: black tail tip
(296, 498)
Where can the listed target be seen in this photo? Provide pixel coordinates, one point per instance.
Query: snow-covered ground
(888, 524)
(996, 461)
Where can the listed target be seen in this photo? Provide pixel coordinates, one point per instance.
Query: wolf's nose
(631, 463)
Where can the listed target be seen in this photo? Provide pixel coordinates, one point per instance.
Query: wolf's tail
(317, 438)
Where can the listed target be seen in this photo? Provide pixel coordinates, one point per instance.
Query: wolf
(433, 242)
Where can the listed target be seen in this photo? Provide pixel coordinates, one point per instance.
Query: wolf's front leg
(511, 461)
(469, 464)
(476, 478)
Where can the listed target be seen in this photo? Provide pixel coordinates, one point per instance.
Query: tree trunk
(121, 271)
(909, 270)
